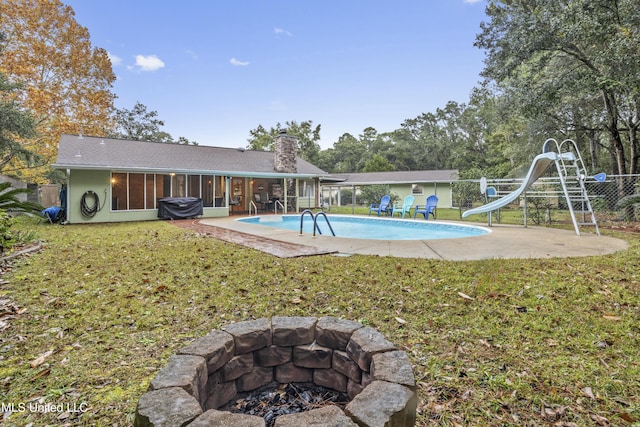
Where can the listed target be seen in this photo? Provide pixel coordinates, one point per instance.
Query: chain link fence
(544, 202)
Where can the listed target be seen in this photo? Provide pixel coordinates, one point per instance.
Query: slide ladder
(573, 173)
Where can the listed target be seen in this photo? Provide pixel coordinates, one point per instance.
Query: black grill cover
(179, 207)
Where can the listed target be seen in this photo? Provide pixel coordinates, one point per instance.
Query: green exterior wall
(99, 181)
(81, 181)
(440, 189)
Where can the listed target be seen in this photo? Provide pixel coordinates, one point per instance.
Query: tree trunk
(635, 148)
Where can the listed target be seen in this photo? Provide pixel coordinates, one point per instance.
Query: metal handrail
(315, 221)
(315, 224)
(254, 206)
(275, 206)
(307, 211)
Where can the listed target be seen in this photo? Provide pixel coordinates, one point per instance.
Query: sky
(214, 70)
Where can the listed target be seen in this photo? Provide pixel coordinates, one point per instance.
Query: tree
(349, 153)
(67, 82)
(370, 194)
(138, 124)
(308, 137)
(565, 58)
(15, 124)
(378, 163)
(423, 142)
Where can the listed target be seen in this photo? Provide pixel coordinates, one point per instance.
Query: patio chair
(383, 206)
(235, 201)
(267, 203)
(428, 209)
(406, 206)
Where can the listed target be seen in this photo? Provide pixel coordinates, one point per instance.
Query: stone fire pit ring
(342, 355)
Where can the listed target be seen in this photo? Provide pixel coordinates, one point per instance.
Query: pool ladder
(315, 221)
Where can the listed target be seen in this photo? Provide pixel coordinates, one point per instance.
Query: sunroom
(113, 180)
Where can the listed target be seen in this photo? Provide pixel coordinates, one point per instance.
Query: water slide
(539, 165)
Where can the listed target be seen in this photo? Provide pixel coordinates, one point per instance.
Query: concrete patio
(505, 241)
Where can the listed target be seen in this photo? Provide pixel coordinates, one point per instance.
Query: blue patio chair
(381, 207)
(405, 207)
(429, 208)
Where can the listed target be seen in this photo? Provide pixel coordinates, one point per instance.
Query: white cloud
(115, 60)
(148, 63)
(277, 105)
(238, 63)
(281, 31)
(472, 1)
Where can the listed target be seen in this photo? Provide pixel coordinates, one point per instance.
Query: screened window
(130, 191)
(150, 200)
(136, 191)
(207, 190)
(119, 191)
(194, 185)
(306, 188)
(163, 186)
(178, 185)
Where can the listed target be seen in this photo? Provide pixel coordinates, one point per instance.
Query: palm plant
(10, 205)
(10, 202)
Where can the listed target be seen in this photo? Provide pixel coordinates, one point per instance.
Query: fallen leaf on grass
(401, 320)
(40, 359)
(588, 392)
(611, 317)
(601, 421)
(41, 374)
(627, 417)
(465, 296)
(485, 343)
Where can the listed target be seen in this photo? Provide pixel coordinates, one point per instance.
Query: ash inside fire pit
(276, 399)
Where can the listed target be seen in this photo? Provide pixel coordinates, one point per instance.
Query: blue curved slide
(539, 165)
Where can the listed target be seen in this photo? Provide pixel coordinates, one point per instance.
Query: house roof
(395, 177)
(85, 152)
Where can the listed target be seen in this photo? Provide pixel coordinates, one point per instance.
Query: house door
(237, 194)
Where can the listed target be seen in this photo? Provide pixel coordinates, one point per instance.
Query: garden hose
(86, 210)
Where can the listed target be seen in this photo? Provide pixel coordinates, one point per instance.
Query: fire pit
(219, 372)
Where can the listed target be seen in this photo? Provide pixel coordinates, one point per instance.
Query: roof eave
(188, 171)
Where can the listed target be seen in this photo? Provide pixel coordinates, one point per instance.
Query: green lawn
(97, 313)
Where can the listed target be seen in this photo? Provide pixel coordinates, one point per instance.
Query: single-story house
(420, 184)
(114, 180)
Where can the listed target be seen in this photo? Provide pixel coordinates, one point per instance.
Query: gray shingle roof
(395, 177)
(117, 154)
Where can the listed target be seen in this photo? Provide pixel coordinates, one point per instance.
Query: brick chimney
(286, 147)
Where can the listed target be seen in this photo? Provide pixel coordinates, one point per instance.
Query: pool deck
(504, 241)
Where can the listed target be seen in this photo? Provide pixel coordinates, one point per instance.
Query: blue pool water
(356, 227)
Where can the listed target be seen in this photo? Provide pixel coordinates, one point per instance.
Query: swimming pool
(357, 227)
